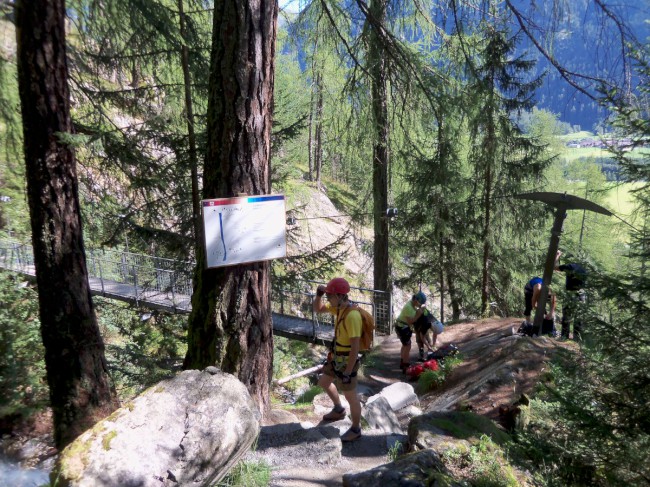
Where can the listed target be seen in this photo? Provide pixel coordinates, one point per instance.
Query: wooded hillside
(417, 120)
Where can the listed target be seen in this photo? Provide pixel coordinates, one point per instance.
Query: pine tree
(504, 159)
(230, 324)
(600, 430)
(81, 392)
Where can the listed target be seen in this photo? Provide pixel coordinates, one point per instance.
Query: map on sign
(244, 229)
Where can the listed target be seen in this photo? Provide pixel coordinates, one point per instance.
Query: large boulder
(188, 430)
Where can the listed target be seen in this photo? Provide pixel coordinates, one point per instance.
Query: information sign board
(244, 229)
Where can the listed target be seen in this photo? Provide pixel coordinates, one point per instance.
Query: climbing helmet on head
(338, 285)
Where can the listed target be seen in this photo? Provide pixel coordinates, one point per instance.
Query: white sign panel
(244, 229)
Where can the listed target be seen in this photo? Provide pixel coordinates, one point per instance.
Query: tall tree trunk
(490, 151)
(310, 141)
(230, 324)
(485, 280)
(191, 137)
(81, 392)
(318, 150)
(380, 159)
(454, 297)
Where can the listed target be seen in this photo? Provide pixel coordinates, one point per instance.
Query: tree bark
(310, 139)
(80, 388)
(318, 150)
(490, 145)
(380, 159)
(230, 324)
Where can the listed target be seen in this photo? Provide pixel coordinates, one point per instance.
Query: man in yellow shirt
(341, 368)
(410, 313)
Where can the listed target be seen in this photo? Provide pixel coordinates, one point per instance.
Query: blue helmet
(420, 297)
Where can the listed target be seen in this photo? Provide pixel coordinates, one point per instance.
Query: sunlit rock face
(188, 430)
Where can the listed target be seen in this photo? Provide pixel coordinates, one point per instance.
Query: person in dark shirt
(531, 293)
(421, 327)
(575, 282)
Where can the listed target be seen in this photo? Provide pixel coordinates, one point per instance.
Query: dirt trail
(497, 367)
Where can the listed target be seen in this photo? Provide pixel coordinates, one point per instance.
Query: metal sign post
(561, 202)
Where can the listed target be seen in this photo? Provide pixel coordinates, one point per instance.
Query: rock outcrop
(420, 469)
(188, 430)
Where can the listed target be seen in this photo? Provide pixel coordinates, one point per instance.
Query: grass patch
(342, 197)
(619, 198)
(395, 451)
(576, 136)
(308, 396)
(247, 474)
(483, 464)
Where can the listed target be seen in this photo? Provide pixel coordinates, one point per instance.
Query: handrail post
(313, 317)
(135, 284)
(173, 285)
(101, 278)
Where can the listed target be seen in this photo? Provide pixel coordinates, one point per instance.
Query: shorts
(339, 365)
(404, 333)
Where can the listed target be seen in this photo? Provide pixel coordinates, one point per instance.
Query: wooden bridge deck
(292, 327)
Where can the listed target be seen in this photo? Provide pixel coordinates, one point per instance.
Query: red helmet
(338, 285)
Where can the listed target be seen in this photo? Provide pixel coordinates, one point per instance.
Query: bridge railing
(146, 273)
(147, 277)
(17, 257)
(143, 274)
(298, 302)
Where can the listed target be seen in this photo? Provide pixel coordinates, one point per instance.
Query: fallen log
(302, 373)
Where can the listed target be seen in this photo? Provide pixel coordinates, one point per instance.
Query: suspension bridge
(165, 284)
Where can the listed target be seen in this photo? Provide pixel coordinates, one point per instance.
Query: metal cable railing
(155, 281)
(140, 277)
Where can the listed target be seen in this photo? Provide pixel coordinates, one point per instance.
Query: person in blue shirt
(575, 282)
(531, 294)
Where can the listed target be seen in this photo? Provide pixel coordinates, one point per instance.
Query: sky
(292, 6)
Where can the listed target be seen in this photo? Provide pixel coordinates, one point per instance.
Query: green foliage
(247, 474)
(13, 211)
(22, 369)
(593, 428)
(430, 380)
(142, 347)
(482, 464)
(308, 396)
(395, 451)
(289, 357)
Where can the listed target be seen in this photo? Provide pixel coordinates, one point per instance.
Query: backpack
(447, 351)
(527, 329)
(367, 327)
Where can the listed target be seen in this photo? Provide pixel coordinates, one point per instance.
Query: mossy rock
(443, 430)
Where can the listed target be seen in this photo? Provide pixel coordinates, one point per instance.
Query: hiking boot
(351, 434)
(335, 414)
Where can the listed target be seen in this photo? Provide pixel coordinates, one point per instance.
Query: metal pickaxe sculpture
(561, 202)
